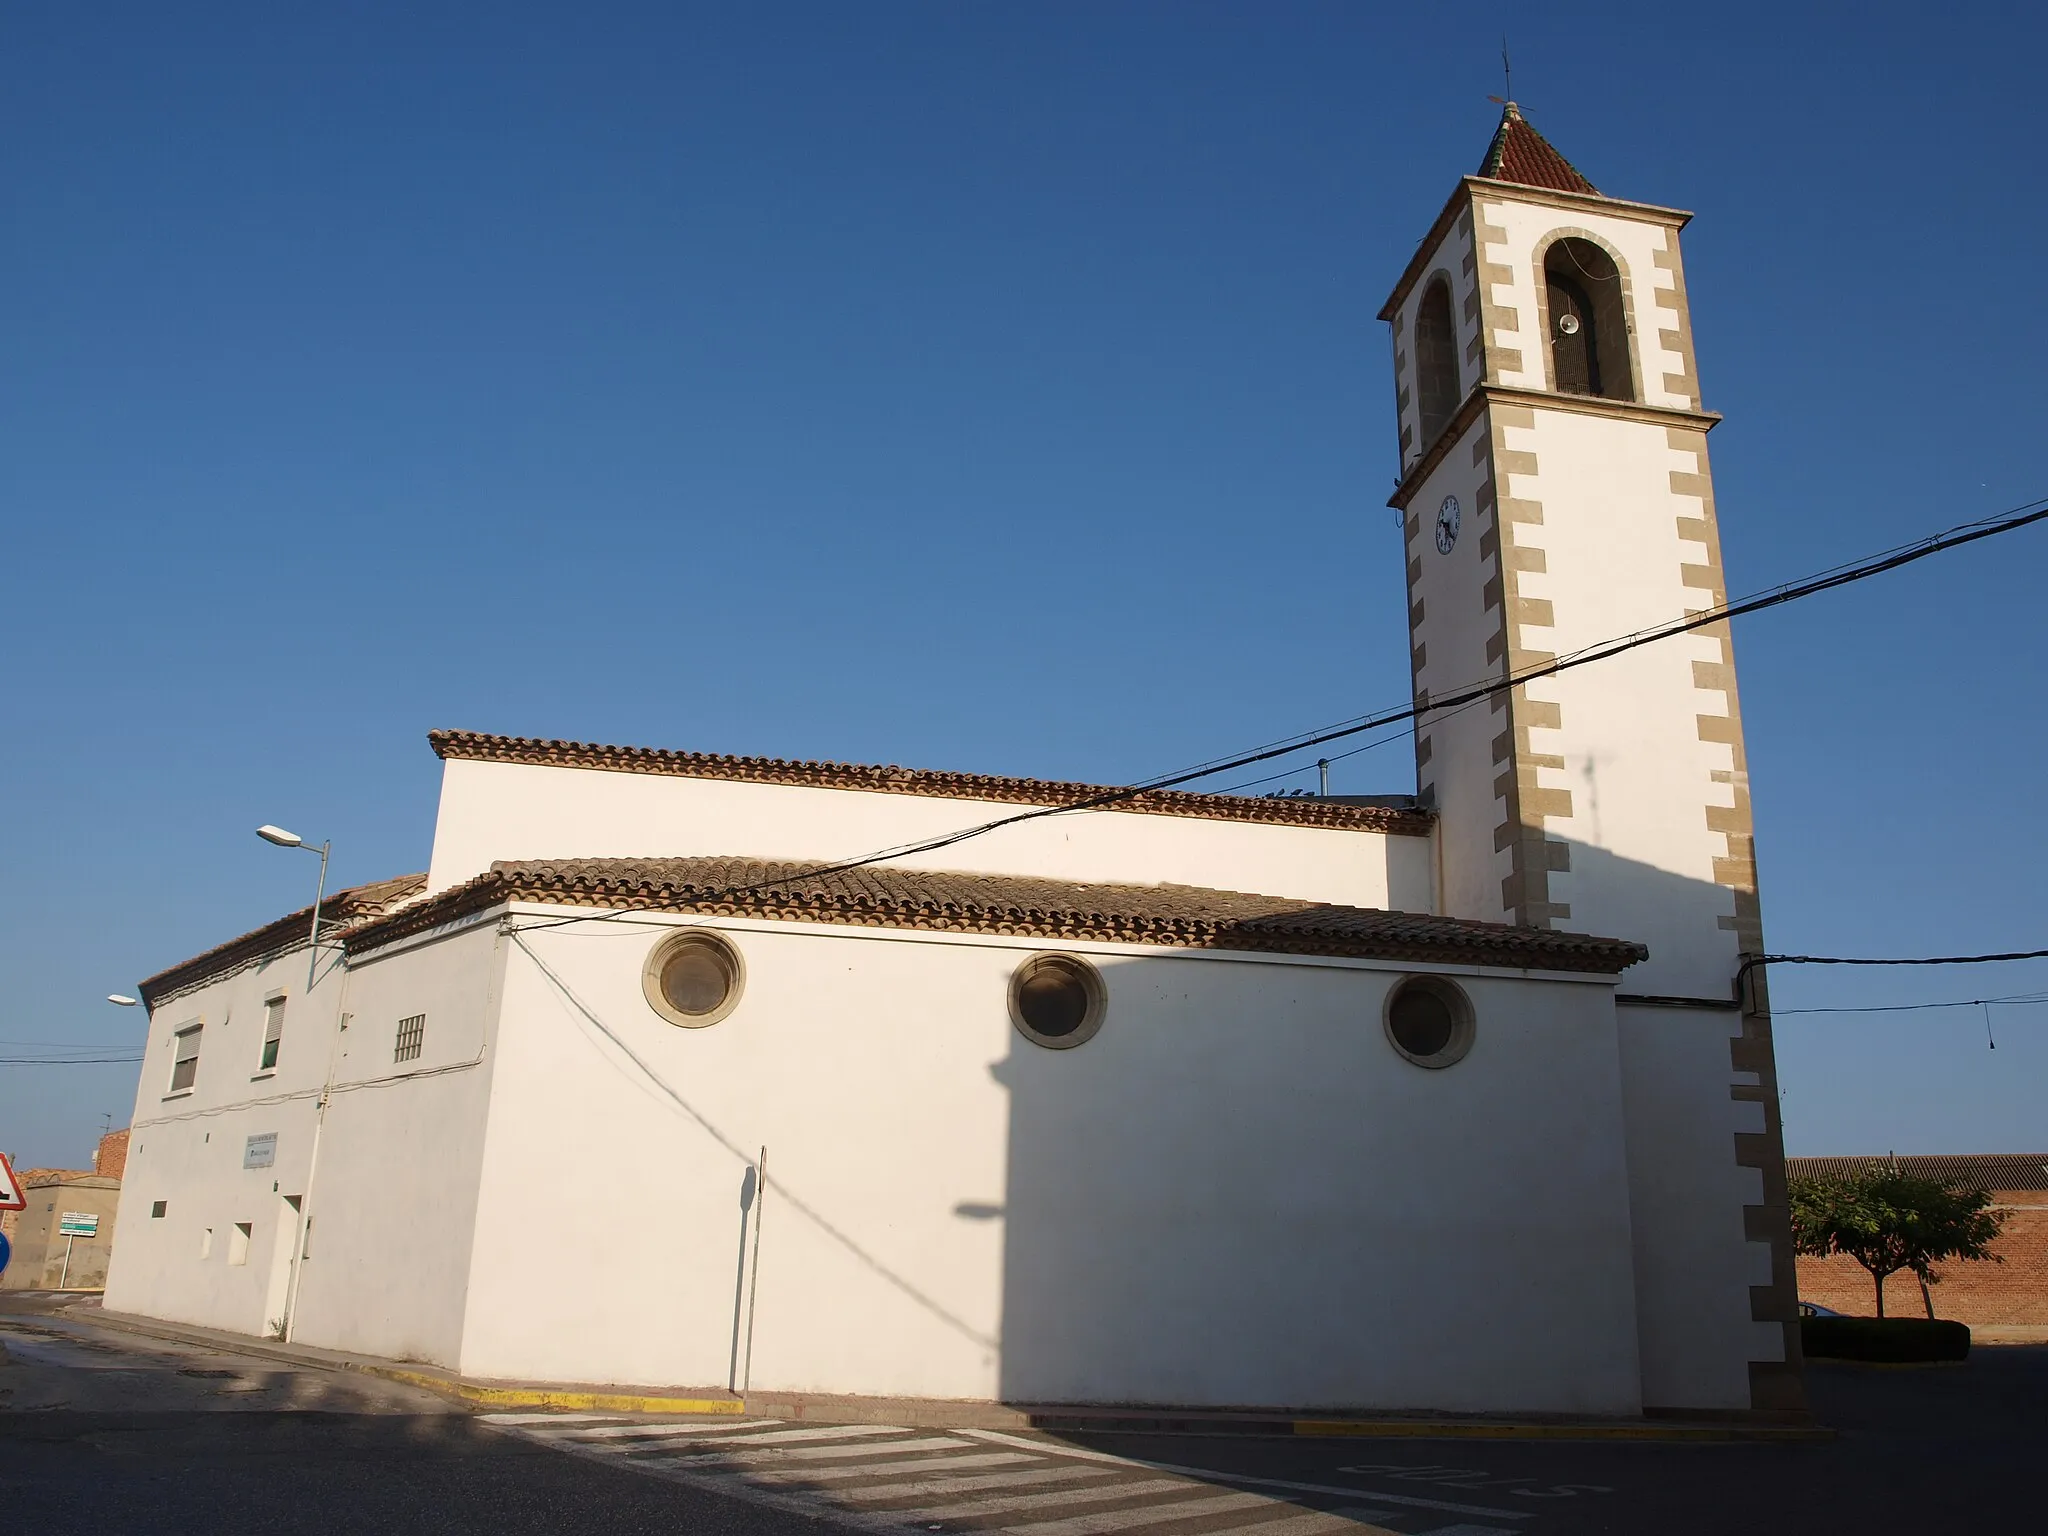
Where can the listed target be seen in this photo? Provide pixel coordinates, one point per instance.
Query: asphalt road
(106, 1433)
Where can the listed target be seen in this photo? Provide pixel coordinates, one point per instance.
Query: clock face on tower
(1447, 525)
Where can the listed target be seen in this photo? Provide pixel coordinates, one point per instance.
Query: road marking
(893, 1468)
(862, 1466)
(919, 1487)
(777, 1453)
(648, 1431)
(1132, 1519)
(1102, 1493)
(553, 1418)
(825, 1432)
(1212, 1475)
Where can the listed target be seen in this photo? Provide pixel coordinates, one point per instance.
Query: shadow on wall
(1238, 1193)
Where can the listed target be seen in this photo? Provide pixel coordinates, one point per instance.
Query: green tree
(1887, 1220)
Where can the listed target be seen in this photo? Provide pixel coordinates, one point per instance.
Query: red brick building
(2012, 1292)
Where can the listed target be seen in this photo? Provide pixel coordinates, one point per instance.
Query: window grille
(185, 1067)
(412, 1033)
(273, 1032)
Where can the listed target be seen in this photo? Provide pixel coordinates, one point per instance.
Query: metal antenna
(1507, 68)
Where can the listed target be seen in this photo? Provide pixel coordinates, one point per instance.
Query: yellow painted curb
(527, 1397)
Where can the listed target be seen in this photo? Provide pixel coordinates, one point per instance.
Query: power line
(2017, 1000)
(64, 1061)
(1837, 576)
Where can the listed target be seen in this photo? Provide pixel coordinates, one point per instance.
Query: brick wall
(2013, 1292)
(112, 1157)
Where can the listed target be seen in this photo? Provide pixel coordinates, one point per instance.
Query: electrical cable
(2025, 514)
(66, 1061)
(2018, 1000)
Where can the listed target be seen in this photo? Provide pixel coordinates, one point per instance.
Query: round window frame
(666, 949)
(1091, 982)
(1464, 1022)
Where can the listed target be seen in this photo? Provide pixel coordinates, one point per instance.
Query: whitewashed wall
(391, 1202)
(186, 1149)
(1694, 1265)
(493, 811)
(394, 1200)
(1236, 1193)
(1640, 777)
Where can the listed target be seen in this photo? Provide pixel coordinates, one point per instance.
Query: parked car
(1815, 1309)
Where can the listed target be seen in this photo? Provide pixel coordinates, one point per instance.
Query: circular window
(1056, 1001)
(1429, 1021)
(693, 978)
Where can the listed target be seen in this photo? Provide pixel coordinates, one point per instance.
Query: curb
(939, 1414)
(533, 1397)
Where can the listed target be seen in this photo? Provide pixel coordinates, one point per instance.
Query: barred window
(273, 1033)
(411, 1033)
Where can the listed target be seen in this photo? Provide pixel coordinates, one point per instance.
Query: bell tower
(1555, 493)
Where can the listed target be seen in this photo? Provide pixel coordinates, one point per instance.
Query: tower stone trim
(1775, 1385)
(1524, 803)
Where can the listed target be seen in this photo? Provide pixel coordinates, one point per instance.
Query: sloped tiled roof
(1523, 156)
(892, 780)
(883, 896)
(1986, 1171)
(337, 913)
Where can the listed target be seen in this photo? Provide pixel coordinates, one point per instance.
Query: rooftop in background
(1987, 1171)
(891, 780)
(883, 896)
(1523, 156)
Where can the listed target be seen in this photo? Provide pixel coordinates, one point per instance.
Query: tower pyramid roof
(1520, 154)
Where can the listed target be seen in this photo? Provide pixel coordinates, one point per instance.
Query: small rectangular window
(185, 1064)
(412, 1033)
(273, 1033)
(206, 1242)
(156, 1209)
(238, 1242)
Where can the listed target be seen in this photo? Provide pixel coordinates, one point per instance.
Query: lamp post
(285, 839)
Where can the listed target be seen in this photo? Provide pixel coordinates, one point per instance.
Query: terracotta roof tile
(337, 913)
(892, 780)
(1521, 155)
(1986, 1171)
(884, 896)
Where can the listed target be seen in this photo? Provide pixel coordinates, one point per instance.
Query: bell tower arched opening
(1589, 351)
(1436, 361)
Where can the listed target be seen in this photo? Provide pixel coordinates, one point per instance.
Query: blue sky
(974, 387)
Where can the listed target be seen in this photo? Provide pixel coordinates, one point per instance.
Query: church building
(676, 1069)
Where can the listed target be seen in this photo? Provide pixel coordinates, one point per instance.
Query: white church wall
(1641, 779)
(492, 811)
(1235, 1193)
(1694, 1265)
(187, 1149)
(1455, 759)
(393, 1204)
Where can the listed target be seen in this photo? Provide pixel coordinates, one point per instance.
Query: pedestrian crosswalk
(887, 1481)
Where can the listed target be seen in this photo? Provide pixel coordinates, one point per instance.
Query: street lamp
(121, 1000)
(285, 839)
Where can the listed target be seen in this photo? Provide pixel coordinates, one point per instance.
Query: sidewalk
(928, 1413)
